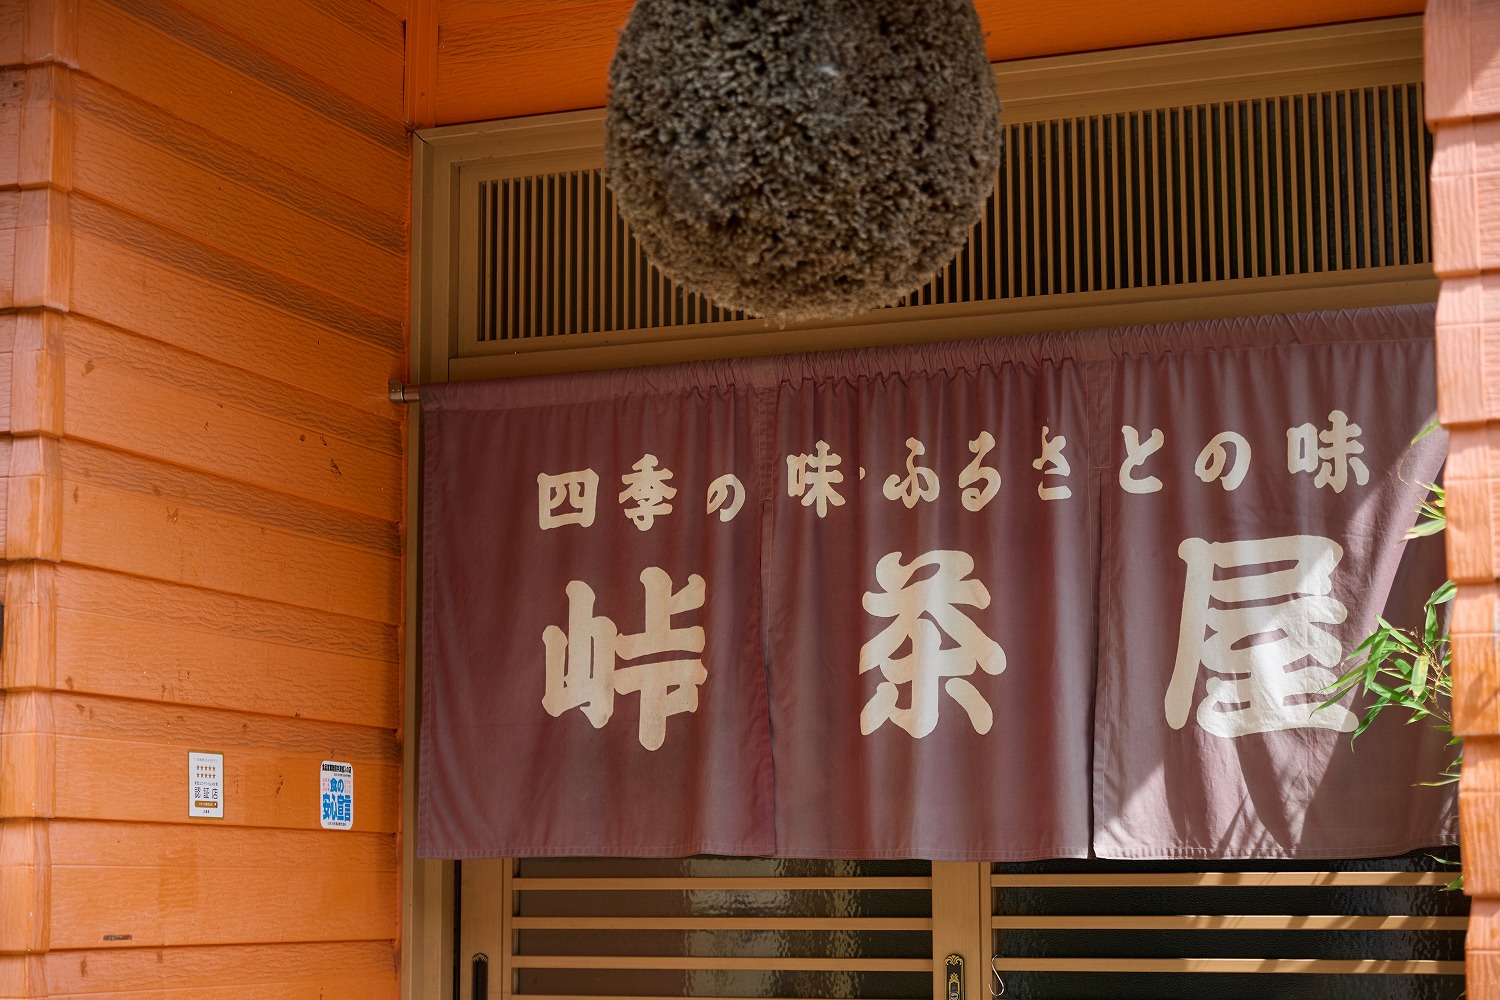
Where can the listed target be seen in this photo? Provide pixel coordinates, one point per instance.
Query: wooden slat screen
(1257, 188)
(720, 926)
(1377, 930)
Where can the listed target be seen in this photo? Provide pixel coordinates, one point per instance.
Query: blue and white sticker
(337, 811)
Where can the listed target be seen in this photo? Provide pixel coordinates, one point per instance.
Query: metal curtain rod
(400, 392)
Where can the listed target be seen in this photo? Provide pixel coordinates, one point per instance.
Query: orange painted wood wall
(1463, 109)
(203, 289)
(474, 60)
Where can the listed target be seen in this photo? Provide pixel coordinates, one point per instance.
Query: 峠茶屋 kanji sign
(864, 605)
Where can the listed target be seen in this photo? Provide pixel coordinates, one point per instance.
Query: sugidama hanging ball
(801, 159)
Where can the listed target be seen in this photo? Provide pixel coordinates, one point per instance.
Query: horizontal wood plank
(145, 358)
(219, 83)
(168, 539)
(355, 47)
(184, 178)
(140, 972)
(127, 473)
(12, 93)
(109, 779)
(507, 67)
(1312, 966)
(128, 658)
(141, 722)
(111, 595)
(78, 845)
(1342, 878)
(383, 987)
(135, 516)
(163, 907)
(230, 311)
(207, 417)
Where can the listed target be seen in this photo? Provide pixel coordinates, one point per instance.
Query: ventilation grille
(1333, 181)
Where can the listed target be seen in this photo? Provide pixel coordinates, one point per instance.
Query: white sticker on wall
(206, 785)
(338, 795)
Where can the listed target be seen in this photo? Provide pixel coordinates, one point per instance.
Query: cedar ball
(801, 159)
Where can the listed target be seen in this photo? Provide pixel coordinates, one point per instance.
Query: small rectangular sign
(337, 812)
(206, 785)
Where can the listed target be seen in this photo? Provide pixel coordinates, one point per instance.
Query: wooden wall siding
(1463, 108)
(203, 270)
(527, 57)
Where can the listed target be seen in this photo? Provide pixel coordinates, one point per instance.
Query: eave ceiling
(474, 60)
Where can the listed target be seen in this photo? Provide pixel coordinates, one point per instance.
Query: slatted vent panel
(1332, 181)
(1383, 929)
(726, 927)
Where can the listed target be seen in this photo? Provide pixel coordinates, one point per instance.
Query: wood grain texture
(1476, 661)
(30, 618)
(1479, 813)
(421, 63)
(1456, 250)
(382, 987)
(228, 423)
(130, 845)
(136, 722)
(1471, 475)
(164, 522)
(1460, 49)
(228, 483)
(23, 975)
(230, 311)
(49, 33)
(25, 880)
(36, 371)
(34, 500)
(1446, 68)
(8, 321)
(45, 154)
(106, 779)
(352, 47)
(5, 449)
(287, 970)
(550, 60)
(228, 87)
(28, 756)
(10, 214)
(553, 56)
(177, 177)
(130, 658)
(160, 907)
(12, 30)
(41, 264)
(225, 616)
(12, 90)
(1482, 948)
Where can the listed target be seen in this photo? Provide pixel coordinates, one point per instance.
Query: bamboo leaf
(1425, 431)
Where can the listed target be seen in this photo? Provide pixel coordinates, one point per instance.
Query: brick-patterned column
(1462, 40)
